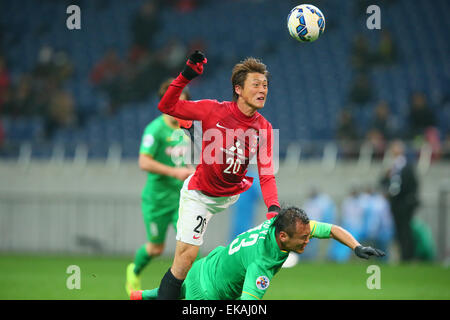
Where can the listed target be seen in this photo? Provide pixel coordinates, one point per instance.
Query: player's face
(254, 91)
(299, 239)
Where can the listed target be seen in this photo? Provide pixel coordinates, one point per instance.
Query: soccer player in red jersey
(233, 134)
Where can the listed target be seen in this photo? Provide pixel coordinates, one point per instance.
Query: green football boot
(133, 281)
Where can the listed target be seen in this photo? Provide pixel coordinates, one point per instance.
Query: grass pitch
(32, 277)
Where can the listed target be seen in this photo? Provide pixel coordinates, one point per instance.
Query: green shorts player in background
(162, 153)
(243, 270)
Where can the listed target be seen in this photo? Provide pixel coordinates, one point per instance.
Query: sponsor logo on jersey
(262, 282)
(219, 126)
(147, 141)
(236, 148)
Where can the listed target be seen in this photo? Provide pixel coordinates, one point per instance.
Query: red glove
(272, 211)
(194, 65)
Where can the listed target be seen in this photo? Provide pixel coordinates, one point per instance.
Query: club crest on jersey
(262, 282)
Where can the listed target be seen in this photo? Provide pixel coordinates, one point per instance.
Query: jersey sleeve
(149, 142)
(257, 280)
(266, 167)
(183, 109)
(320, 230)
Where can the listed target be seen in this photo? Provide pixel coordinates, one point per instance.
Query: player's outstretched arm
(346, 238)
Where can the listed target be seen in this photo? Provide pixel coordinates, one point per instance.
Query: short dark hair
(287, 220)
(243, 68)
(165, 85)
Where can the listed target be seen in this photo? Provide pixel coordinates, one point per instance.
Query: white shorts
(195, 211)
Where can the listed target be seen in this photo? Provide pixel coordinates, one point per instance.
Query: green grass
(44, 277)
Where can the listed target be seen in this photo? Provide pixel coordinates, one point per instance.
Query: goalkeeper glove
(366, 252)
(194, 65)
(272, 212)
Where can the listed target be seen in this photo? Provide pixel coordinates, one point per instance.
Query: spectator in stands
(446, 147)
(20, 101)
(401, 186)
(361, 89)
(384, 121)
(186, 5)
(423, 125)
(63, 66)
(2, 137)
(107, 75)
(352, 217)
(420, 117)
(387, 51)
(52, 68)
(130, 80)
(107, 70)
(44, 65)
(424, 245)
(321, 207)
(347, 133)
(4, 82)
(182, 5)
(61, 112)
(382, 129)
(379, 227)
(377, 141)
(361, 58)
(172, 55)
(145, 24)
(148, 74)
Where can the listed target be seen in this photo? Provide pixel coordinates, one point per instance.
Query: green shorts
(191, 289)
(157, 222)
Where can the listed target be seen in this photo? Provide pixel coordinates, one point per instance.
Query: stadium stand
(310, 83)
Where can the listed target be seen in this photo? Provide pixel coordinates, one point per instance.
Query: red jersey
(230, 141)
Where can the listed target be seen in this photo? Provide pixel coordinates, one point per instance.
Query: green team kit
(242, 270)
(161, 194)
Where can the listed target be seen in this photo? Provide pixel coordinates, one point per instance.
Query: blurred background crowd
(88, 85)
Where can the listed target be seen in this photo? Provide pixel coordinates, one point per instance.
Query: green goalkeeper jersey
(244, 269)
(167, 146)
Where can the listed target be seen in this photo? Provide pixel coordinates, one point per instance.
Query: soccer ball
(305, 23)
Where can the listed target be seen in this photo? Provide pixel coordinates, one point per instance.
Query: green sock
(150, 294)
(141, 259)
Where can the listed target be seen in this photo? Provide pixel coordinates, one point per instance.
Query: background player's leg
(156, 228)
(141, 259)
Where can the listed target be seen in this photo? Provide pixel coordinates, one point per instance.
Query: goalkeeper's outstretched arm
(346, 238)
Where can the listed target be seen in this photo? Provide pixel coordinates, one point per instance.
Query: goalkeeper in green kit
(161, 154)
(243, 270)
